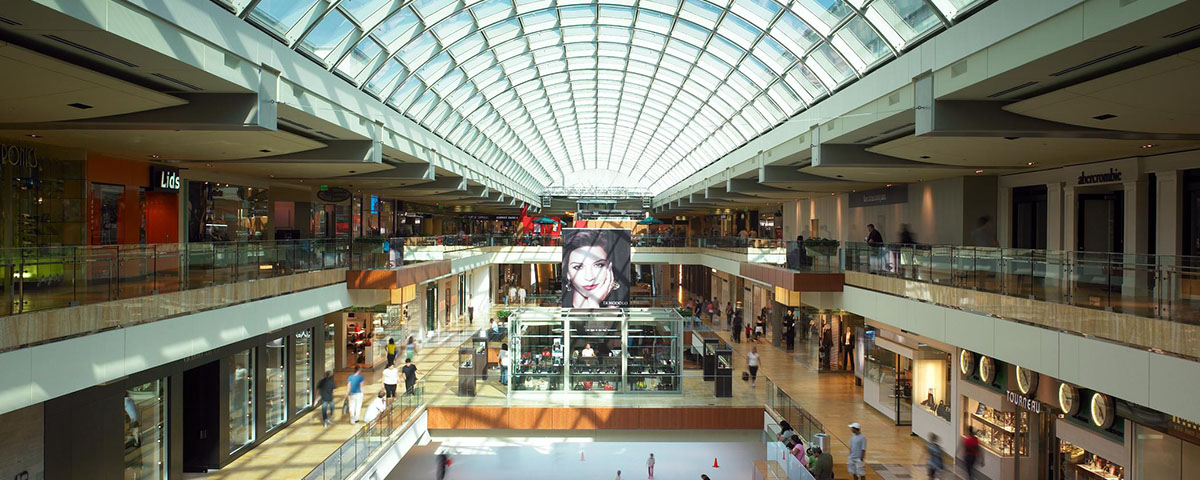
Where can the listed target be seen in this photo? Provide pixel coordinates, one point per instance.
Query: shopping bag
(346, 405)
(745, 376)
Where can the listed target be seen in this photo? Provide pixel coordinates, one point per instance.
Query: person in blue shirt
(355, 394)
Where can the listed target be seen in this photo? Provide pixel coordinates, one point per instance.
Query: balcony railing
(1154, 286)
(45, 278)
(356, 451)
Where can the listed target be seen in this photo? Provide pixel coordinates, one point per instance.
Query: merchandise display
(626, 350)
(931, 381)
(1080, 464)
(997, 430)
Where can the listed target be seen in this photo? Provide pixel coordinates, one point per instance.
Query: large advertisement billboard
(595, 268)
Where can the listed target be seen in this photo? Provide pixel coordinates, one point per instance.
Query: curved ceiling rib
(653, 90)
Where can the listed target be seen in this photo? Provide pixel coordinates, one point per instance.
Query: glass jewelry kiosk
(627, 350)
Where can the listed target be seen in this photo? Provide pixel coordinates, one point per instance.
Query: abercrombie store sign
(164, 179)
(1112, 175)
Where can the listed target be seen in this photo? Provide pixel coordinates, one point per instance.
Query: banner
(595, 268)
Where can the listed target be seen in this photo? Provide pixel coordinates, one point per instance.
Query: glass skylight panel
(433, 11)
(358, 59)
(398, 28)
(953, 8)
(419, 50)
(361, 9)
(829, 66)
(859, 43)
(538, 21)
(757, 72)
(653, 21)
(328, 33)
(738, 31)
(280, 15)
(490, 11)
(758, 12)
(384, 76)
(454, 28)
(526, 6)
(902, 21)
(822, 14)
(613, 15)
(502, 31)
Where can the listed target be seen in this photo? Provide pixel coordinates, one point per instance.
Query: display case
(1080, 464)
(466, 370)
(653, 360)
(723, 359)
(480, 345)
(596, 350)
(710, 359)
(1002, 433)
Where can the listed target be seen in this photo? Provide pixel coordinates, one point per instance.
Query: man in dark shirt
(325, 386)
(410, 375)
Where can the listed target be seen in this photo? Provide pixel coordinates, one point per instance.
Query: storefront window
(1163, 457)
(145, 433)
(241, 399)
(932, 381)
(1080, 464)
(330, 347)
(997, 431)
(275, 389)
(219, 212)
(595, 355)
(304, 369)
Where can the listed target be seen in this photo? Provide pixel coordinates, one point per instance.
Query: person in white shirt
(376, 408)
(752, 364)
(504, 363)
(587, 351)
(391, 377)
(512, 295)
(521, 295)
(650, 465)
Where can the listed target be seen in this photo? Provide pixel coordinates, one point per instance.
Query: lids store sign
(164, 179)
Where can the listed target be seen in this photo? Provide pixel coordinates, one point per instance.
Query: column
(1135, 282)
(1169, 216)
(1069, 228)
(1054, 216)
(791, 221)
(1004, 216)
(776, 321)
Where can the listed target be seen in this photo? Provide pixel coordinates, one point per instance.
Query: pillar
(776, 321)
(1169, 216)
(1054, 216)
(1135, 283)
(1004, 216)
(1069, 230)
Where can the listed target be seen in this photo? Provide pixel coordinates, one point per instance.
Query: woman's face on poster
(590, 272)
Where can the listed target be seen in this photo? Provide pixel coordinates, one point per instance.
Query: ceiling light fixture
(81, 106)
(1030, 164)
(34, 135)
(154, 155)
(889, 184)
(1149, 145)
(1105, 116)
(352, 171)
(979, 171)
(265, 151)
(209, 165)
(924, 157)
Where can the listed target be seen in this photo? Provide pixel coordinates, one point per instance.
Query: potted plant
(821, 247)
(503, 315)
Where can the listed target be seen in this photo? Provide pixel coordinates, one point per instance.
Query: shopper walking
(618, 475)
(391, 377)
(391, 351)
(728, 314)
(752, 364)
(325, 388)
(971, 455)
(410, 376)
(410, 348)
(650, 465)
(505, 361)
(354, 394)
(737, 327)
(521, 293)
(936, 463)
(512, 294)
(858, 453)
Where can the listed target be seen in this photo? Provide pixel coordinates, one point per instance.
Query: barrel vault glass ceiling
(637, 93)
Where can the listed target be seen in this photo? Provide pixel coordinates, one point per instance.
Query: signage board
(334, 195)
(1112, 175)
(1024, 402)
(164, 179)
(880, 196)
(596, 267)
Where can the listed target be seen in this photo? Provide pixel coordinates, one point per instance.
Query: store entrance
(201, 417)
(1101, 224)
(1029, 217)
(431, 303)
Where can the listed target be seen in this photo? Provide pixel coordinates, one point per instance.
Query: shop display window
(931, 383)
(275, 389)
(595, 355)
(330, 347)
(1000, 432)
(539, 356)
(241, 399)
(145, 431)
(1080, 464)
(653, 348)
(219, 212)
(303, 376)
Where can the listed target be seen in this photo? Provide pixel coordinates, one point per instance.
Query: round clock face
(966, 362)
(987, 369)
(1068, 399)
(1027, 380)
(1102, 410)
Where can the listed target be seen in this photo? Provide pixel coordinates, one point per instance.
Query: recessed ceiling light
(265, 151)
(1105, 116)
(352, 171)
(1149, 145)
(1011, 138)
(34, 135)
(272, 176)
(1030, 164)
(979, 171)
(153, 155)
(839, 176)
(208, 165)
(889, 184)
(81, 106)
(924, 156)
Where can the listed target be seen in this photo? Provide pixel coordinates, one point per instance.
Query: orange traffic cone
(715, 463)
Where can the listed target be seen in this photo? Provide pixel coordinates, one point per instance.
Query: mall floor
(832, 398)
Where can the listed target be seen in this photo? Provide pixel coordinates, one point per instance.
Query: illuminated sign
(164, 179)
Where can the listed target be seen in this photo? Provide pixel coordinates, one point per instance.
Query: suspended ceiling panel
(644, 92)
(175, 145)
(985, 152)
